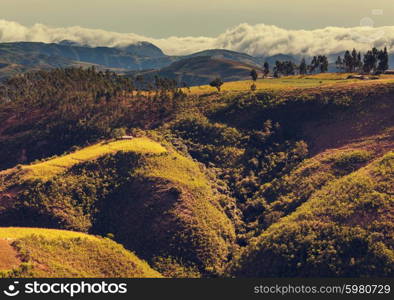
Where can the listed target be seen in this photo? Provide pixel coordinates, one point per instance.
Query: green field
(52, 167)
(20, 232)
(288, 83)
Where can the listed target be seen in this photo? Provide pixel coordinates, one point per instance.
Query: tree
(359, 64)
(383, 61)
(370, 61)
(278, 69)
(323, 63)
(314, 64)
(254, 75)
(348, 62)
(285, 68)
(354, 60)
(339, 64)
(266, 69)
(303, 67)
(319, 63)
(217, 83)
(374, 61)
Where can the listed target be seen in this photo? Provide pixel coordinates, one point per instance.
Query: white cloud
(255, 40)
(270, 40)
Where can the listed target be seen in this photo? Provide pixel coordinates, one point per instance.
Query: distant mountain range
(141, 58)
(200, 70)
(134, 57)
(229, 55)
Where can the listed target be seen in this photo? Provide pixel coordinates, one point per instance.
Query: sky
(256, 27)
(163, 18)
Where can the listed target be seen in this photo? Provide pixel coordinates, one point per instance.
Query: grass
(206, 233)
(323, 209)
(294, 189)
(347, 162)
(19, 232)
(63, 254)
(353, 195)
(163, 182)
(175, 168)
(288, 83)
(52, 167)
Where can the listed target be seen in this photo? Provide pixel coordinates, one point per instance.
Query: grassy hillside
(35, 252)
(277, 149)
(30, 56)
(289, 83)
(243, 58)
(14, 63)
(100, 188)
(49, 168)
(294, 179)
(345, 230)
(198, 70)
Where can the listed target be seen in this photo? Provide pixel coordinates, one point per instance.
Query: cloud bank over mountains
(258, 39)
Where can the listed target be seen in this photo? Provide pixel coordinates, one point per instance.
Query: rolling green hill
(292, 180)
(345, 229)
(141, 58)
(16, 58)
(50, 168)
(36, 252)
(199, 70)
(138, 56)
(242, 58)
(98, 189)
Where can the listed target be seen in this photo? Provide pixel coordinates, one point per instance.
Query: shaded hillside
(34, 252)
(294, 179)
(14, 63)
(48, 113)
(143, 49)
(20, 57)
(345, 229)
(32, 56)
(200, 70)
(230, 55)
(179, 216)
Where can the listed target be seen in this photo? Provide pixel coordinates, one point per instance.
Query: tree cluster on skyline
(374, 61)
(319, 64)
